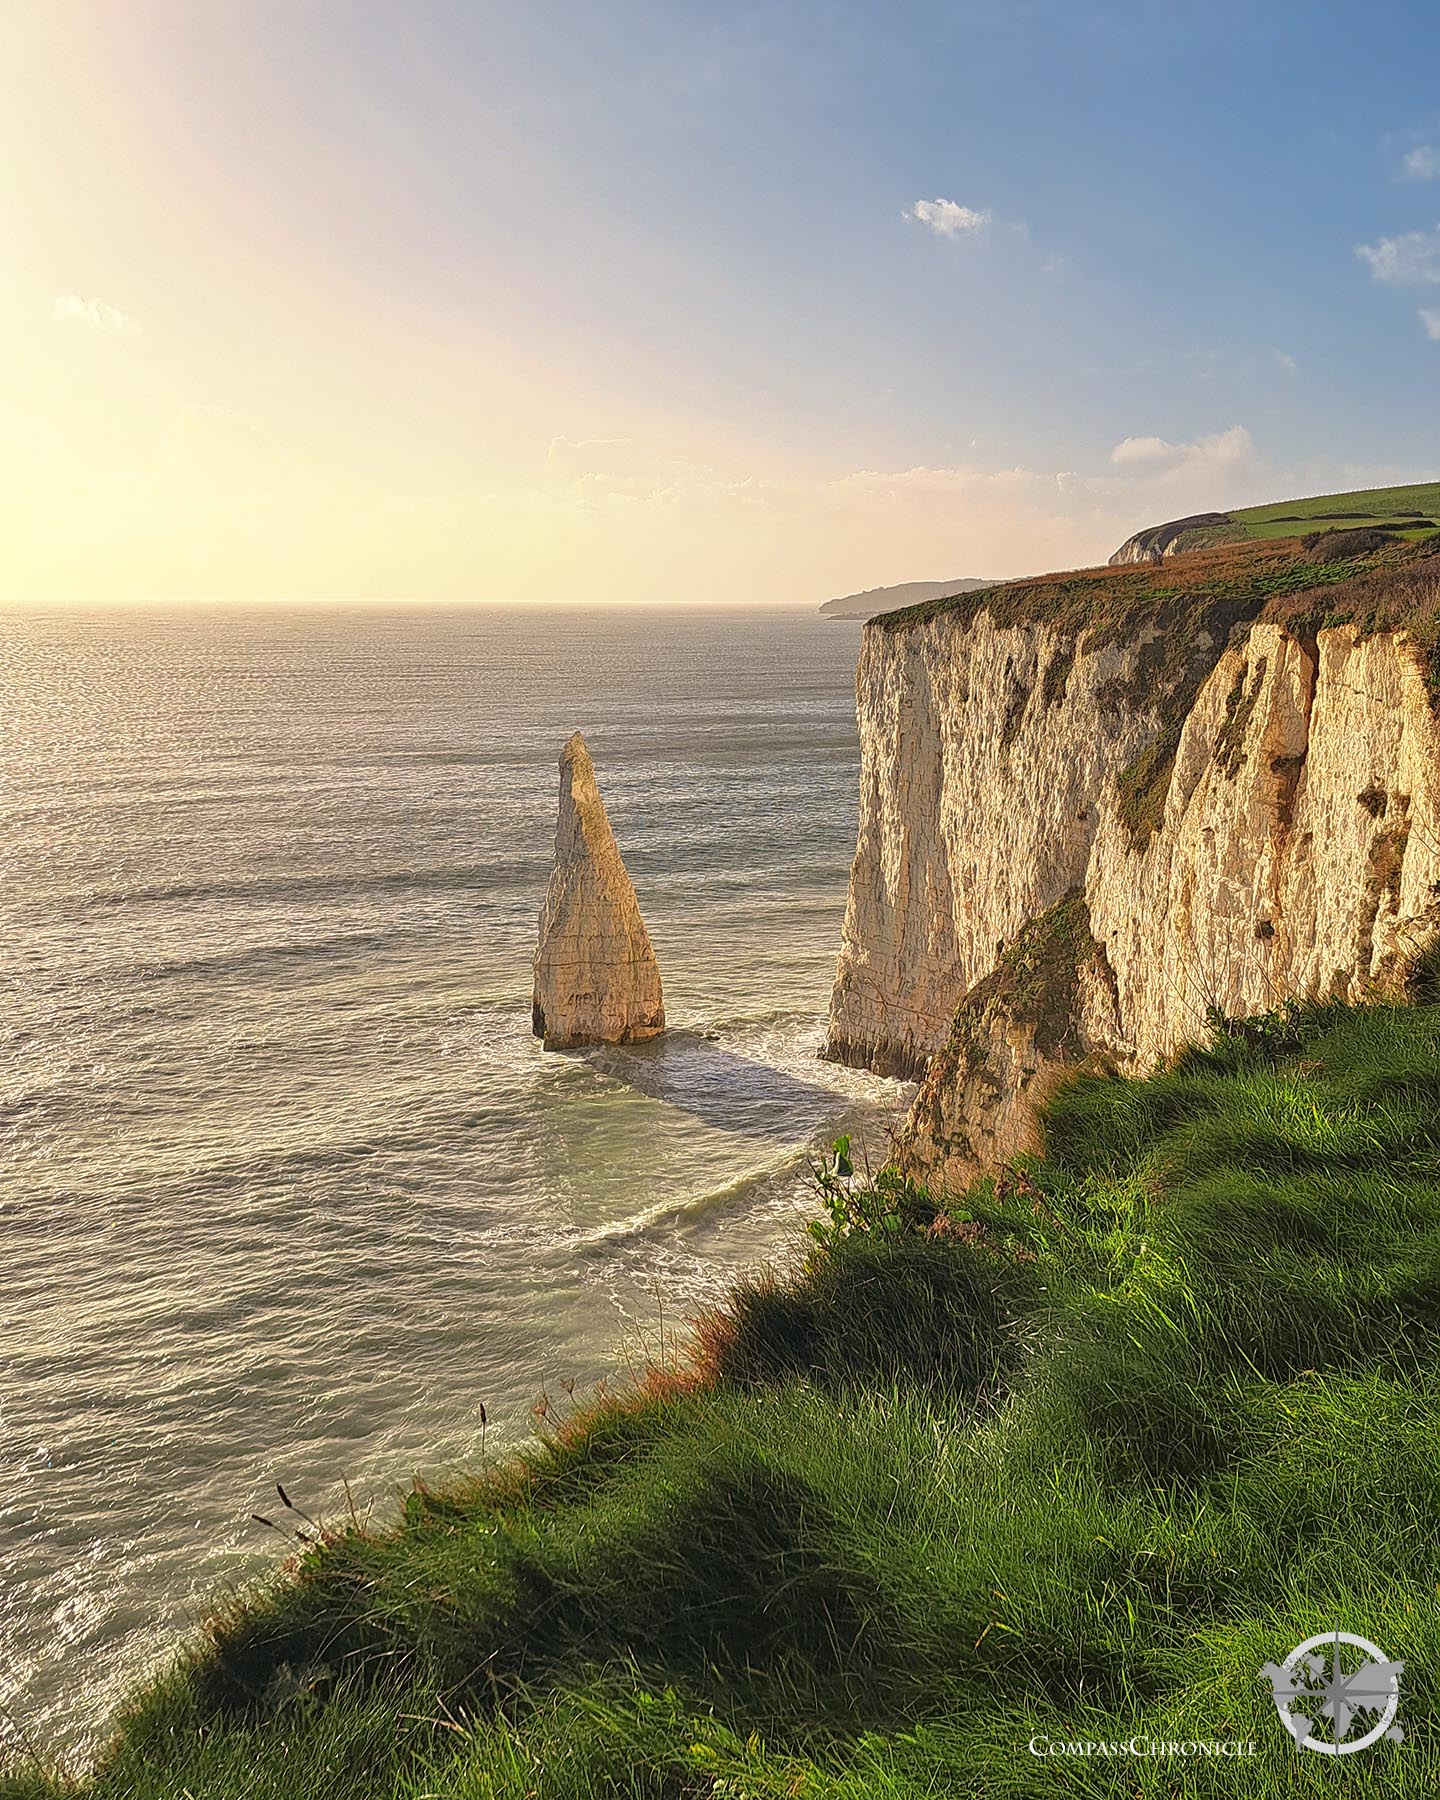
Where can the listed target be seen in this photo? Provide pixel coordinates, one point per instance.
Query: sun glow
(312, 302)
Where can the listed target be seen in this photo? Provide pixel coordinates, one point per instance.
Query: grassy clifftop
(1231, 583)
(1072, 1461)
(1412, 511)
(1407, 513)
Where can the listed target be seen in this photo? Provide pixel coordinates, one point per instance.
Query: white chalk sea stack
(596, 977)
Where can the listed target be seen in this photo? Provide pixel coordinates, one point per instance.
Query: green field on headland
(1366, 517)
(1069, 1460)
(1411, 511)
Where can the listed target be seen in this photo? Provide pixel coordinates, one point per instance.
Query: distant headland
(907, 593)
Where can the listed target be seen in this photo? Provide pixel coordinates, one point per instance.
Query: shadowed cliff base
(1073, 1455)
(881, 1056)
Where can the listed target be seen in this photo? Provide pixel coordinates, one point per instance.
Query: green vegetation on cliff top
(1073, 1460)
(1393, 506)
(1206, 589)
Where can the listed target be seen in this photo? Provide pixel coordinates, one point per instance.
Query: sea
(288, 1191)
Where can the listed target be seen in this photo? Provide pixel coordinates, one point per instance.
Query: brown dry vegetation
(1394, 595)
(1115, 605)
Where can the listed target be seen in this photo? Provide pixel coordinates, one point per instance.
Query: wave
(483, 878)
(694, 1208)
(262, 955)
(213, 1169)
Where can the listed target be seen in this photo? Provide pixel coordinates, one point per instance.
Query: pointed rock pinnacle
(596, 978)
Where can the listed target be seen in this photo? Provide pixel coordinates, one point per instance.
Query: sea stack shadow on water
(596, 978)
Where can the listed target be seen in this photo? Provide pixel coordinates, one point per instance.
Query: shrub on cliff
(1359, 541)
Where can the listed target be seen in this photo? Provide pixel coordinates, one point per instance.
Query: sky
(641, 302)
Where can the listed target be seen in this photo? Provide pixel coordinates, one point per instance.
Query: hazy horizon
(440, 602)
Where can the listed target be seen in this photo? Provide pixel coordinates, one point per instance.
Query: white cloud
(1218, 451)
(946, 218)
(1410, 260)
(1430, 319)
(1287, 362)
(1141, 449)
(98, 315)
(645, 506)
(1423, 163)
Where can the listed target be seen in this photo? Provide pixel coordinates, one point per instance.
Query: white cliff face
(983, 759)
(1301, 839)
(1297, 852)
(596, 978)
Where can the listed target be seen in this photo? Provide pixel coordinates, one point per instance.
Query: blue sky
(837, 293)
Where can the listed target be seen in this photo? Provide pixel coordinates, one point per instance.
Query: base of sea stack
(636, 1031)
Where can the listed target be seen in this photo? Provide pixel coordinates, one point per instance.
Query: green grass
(1363, 506)
(1131, 1422)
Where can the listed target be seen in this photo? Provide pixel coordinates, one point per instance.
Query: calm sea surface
(287, 1189)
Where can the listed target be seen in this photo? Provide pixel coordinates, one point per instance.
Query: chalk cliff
(1096, 806)
(1173, 538)
(596, 978)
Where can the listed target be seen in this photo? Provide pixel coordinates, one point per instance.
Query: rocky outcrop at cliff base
(1049, 1004)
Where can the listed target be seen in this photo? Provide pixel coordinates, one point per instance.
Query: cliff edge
(1226, 768)
(1175, 537)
